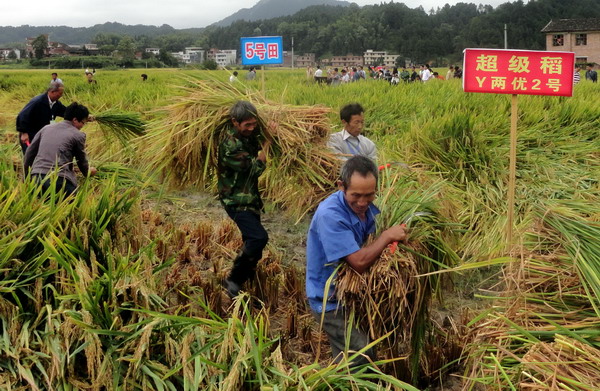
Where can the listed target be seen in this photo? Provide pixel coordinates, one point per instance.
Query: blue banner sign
(262, 50)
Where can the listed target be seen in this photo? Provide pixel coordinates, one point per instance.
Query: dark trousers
(336, 328)
(255, 239)
(62, 184)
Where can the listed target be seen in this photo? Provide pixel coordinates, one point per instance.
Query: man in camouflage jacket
(240, 162)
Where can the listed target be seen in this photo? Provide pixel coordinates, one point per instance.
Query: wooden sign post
(517, 72)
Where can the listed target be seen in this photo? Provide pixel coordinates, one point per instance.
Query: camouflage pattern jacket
(239, 169)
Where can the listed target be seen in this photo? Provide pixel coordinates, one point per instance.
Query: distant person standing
(413, 75)
(55, 147)
(251, 75)
(309, 72)
(90, 78)
(233, 78)
(39, 112)
(426, 74)
(591, 74)
(318, 72)
(55, 78)
(577, 74)
(458, 73)
(450, 73)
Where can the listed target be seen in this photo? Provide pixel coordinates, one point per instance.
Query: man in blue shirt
(340, 226)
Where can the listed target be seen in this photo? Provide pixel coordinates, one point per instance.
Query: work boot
(232, 288)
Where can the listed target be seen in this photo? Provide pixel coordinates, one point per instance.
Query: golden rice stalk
(565, 364)
(383, 297)
(300, 169)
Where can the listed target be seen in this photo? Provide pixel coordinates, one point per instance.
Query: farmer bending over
(55, 146)
(338, 230)
(240, 162)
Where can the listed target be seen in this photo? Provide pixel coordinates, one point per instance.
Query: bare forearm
(362, 259)
(366, 256)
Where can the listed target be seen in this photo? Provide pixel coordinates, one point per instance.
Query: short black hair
(349, 110)
(54, 73)
(75, 110)
(243, 110)
(358, 164)
(144, 76)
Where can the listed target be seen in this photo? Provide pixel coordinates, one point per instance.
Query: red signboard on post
(523, 72)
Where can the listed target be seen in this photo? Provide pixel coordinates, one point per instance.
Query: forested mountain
(411, 32)
(438, 35)
(267, 9)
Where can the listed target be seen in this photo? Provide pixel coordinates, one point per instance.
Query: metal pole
(505, 37)
(292, 52)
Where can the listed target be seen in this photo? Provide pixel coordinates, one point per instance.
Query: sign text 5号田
(262, 50)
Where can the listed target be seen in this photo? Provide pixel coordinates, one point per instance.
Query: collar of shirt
(50, 101)
(346, 135)
(354, 219)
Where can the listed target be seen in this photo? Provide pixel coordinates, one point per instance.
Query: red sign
(523, 72)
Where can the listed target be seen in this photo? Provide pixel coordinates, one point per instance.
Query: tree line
(435, 36)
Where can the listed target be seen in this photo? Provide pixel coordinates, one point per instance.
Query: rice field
(120, 287)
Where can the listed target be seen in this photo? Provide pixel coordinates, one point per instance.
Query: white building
(155, 51)
(4, 52)
(373, 57)
(224, 58)
(196, 54)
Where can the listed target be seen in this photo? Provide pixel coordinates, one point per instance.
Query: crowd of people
(393, 75)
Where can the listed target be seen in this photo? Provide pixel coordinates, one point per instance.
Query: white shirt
(426, 75)
(232, 78)
(346, 145)
(318, 73)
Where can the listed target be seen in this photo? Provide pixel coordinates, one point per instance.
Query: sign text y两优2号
(523, 72)
(262, 50)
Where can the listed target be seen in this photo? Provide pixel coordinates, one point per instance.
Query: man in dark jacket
(39, 112)
(591, 74)
(240, 162)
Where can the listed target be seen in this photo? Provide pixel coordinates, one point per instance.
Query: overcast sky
(177, 13)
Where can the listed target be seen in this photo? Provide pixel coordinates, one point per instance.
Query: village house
(5, 53)
(307, 59)
(373, 57)
(581, 36)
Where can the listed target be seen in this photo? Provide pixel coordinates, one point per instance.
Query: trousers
(255, 239)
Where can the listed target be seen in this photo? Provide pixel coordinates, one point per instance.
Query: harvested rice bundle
(300, 171)
(123, 126)
(526, 341)
(383, 297)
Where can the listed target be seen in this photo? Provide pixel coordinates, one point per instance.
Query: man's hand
(262, 156)
(397, 233)
(272, 128)
(24, 137)
(92, 171)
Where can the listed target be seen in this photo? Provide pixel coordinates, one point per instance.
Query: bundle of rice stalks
(300, 169)
(544, 301)
(564, 364)
(544, 331)
(123, 126)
